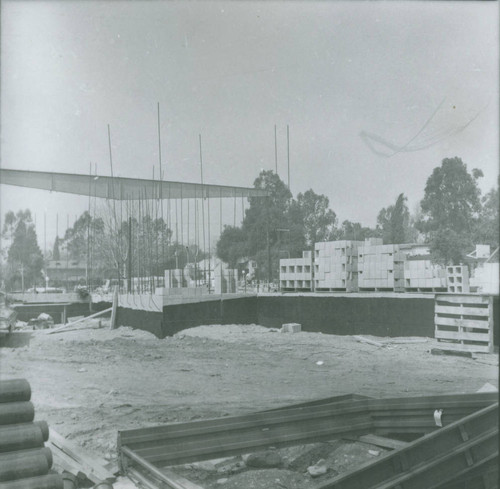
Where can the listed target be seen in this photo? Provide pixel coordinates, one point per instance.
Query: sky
(422, 77)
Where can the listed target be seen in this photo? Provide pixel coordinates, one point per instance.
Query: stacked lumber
(25, 462)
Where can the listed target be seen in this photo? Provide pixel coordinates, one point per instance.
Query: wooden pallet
(464, 322)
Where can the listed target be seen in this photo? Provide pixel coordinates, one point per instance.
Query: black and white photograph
(249, 244)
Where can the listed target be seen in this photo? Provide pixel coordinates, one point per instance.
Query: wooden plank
(462, 311)
(65, 462)
(466, 323)
(490, 318)
(381, 441)
(91, 465)
(462, 347)
(463, 299)
(56, 330)
(362, 339)
(462, 335)
(112, 324)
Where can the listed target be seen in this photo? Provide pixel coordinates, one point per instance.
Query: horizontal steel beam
(120, 188)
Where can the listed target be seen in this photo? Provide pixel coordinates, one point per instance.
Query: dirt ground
(90, 383)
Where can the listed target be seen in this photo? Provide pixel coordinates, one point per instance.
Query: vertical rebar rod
(275, 150)
(45, 247)
(203, 210)
(288, 152)
(87, 267)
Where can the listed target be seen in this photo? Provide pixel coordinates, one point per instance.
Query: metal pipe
(20, 437)
(16, 412)
(50, 481)
(9, 456)
(15, 390)
(25, 465)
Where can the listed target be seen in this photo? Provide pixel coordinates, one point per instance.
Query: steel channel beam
(177, 453)
(422, 451)
(146, 435)
(187, 442)
(172, 480)
(455, 463)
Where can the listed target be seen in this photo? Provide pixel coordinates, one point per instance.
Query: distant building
(66, 273)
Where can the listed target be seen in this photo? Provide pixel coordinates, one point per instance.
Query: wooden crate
(464, 322)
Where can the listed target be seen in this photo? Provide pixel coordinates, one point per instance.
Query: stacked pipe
(25, 462)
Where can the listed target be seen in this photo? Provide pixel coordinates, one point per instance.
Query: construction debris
(362, 339)
(291, 328)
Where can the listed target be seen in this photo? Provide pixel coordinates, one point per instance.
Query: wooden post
(114, 308)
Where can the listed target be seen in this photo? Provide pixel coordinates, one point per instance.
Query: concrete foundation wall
(346, 316)
(137, 319)
(177, 317)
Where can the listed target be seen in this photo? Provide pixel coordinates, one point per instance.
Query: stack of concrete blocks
(225, 279)
(381, 267)
(423, 274)
(457, 278)
(175, 279)
(486, 278)
(336, 265)
(296, 273)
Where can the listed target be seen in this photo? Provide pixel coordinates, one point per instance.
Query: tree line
(451, 218)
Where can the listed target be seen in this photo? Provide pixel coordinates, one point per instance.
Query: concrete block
(291, 328)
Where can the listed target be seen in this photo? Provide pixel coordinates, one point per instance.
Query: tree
(450, 208)
(56, 254)
(24, 257)
(318, 220)
(266, 214)
(394, 222)
(75, 238)
(355, 231)
(232, 245)
(487, 227)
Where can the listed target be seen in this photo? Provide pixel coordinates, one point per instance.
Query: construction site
(191, 300)
(344, 378)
